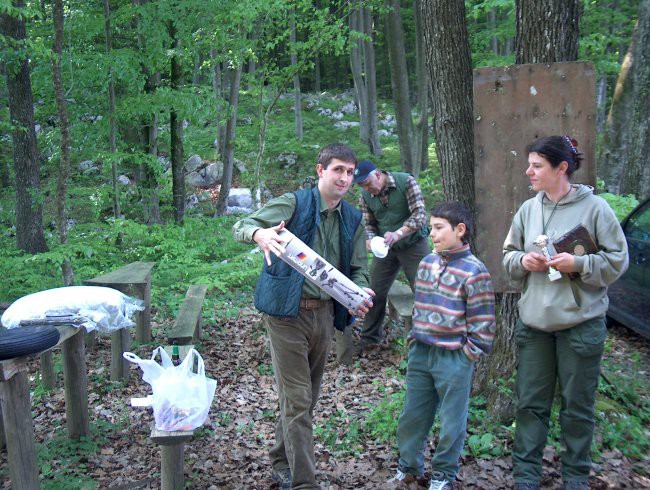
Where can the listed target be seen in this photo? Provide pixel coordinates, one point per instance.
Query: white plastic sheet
(181, 397)
(104, 309)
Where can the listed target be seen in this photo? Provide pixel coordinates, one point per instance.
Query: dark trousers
(299, 350)
(572, 358)
(382, 275)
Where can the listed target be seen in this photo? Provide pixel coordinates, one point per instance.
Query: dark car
(629, 297)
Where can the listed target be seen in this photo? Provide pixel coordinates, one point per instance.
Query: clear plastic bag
(181, 397)
(101, 308)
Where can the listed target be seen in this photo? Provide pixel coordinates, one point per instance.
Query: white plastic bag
(101, 308)
(181, 397)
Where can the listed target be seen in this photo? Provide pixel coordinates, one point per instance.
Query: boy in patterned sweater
(453, 326)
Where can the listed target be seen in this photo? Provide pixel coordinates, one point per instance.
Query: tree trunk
(64, 166)
(547, 31)
(356, 65)
(176, 135)
(421, 158)
(400, 83)
(317, 73)
(230, 142)
(112, 143)
(540, 38)
(29, 209)
(371, 83)
(297, 106)
(624, 160)
(450, 72)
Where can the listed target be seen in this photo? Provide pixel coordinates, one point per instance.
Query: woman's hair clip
(573, 144)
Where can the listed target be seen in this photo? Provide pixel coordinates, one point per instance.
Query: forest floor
(230, 451)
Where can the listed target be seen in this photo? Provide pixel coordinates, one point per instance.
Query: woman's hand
(563, 262)
(534, 262)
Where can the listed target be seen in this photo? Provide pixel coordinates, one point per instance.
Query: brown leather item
(313, 303)
(577, 241)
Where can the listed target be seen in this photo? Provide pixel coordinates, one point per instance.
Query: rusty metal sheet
(514, 105)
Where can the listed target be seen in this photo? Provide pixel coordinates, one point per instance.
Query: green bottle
(176, 358)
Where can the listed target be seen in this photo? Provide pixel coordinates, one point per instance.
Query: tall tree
(297, 106)
(421, 154)
(176, 130)
(400, 83)
(112, 123)
(64, 125)
(547, 31)
(447, 54)
(29, 206)
(362, 60)
(624, 160)
(229, 156)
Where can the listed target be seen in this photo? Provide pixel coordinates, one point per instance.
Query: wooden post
(172, 457)
(120, 343)
(172, 462)
(48, 377)
(19, 430)
(143, 328)
(76, 385)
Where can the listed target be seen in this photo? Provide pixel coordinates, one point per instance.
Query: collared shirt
(326, 241)
(415, 200)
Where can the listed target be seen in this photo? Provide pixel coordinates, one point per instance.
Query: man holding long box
(299, 315)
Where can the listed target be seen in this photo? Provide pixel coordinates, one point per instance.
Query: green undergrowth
(622, 417)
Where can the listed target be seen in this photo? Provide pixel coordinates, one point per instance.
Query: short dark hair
(455, 212)
(336, 150)
(558, 149)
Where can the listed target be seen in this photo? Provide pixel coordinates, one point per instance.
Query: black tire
(23, 341)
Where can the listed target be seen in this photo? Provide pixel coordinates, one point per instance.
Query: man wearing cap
(393, 208)
(300, 318)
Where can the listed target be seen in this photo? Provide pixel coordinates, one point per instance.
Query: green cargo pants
(299, 350)
(572, 358)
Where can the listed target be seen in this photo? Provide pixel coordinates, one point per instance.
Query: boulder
(124, 180)
(206, 177)
(241, 198)
(88, 167)
(193, 163)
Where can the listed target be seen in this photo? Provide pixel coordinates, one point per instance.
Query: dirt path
(230, 451)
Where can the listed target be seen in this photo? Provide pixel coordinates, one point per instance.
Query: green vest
(392, 217)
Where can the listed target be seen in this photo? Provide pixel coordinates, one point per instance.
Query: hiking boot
(282, 477)
(439, 482)
(575, 485)
(526, 486)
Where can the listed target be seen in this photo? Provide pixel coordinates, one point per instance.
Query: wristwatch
(400, 233)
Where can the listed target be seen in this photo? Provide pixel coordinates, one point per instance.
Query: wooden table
(17, 412)
(133, 279)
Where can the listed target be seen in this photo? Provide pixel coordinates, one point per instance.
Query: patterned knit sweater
(454, 303)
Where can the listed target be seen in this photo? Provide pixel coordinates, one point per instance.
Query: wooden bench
(134, 280)
(189, 321)
(16, 406)
(400, 305)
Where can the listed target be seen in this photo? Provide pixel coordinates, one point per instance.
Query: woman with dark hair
(561, 331)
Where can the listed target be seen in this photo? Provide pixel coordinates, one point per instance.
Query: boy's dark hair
(455, 212)
(339, 151)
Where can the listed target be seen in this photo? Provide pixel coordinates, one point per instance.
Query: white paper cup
(379, 247)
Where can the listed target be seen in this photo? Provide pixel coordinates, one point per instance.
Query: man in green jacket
(301, 318)
(393, 208)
